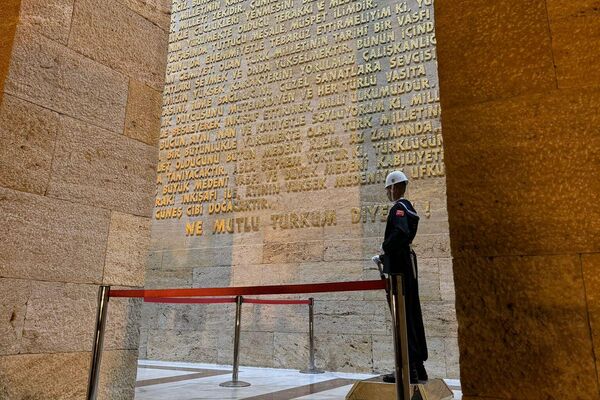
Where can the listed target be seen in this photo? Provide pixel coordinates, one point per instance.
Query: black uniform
(401, 229)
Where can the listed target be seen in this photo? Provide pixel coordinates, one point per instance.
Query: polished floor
(158, 380)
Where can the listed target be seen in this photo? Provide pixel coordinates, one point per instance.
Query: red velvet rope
(253, 290)
(182, 300)
(265, 301)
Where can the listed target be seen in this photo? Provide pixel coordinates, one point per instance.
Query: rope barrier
(253, 290)
(182, 300)
(265, 301)
(219, 300)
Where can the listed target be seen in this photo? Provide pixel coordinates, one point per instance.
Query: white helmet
(395, 177)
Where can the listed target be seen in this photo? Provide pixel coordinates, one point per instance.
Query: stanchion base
(234, 384)
(312, 371)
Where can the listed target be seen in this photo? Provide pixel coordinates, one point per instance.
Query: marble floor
(159, 380)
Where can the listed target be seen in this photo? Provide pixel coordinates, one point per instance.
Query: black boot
(389, 378)
(421, 373)
(414, 377)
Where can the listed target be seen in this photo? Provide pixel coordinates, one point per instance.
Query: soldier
(399, 258)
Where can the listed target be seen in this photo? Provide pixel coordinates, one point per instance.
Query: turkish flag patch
(399, 213)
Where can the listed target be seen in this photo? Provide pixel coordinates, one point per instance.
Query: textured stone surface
(9, 17)
(340, 352)
(351, 317)
(480, 59)
(51, 239)
(49, 18)
(60, 79)
(60, 318)
(185, 345)
(591, 276)
(452, 358)
(27, 139)
(535, 319)
(97, 167)
(205, 317)
(14, 294)
(291, 350)
(142, 121)
(42, 376)
(123, 324)
(156, 11)
(116, 36)
(575, 30)
(127, 250)
(117, 375)
(524, 139)
(256, 348)
(293, 252)
(211, 277)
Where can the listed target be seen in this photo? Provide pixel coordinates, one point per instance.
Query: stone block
(197, 258)
(492, 50)
(351, 317)
(439, 318)
(429, 279)
(275, 318)
(291, 351)
(349, 249)
(176, 345)
(114, 35)
(452, 358)
(591, 276)
(123, 324)
(142, 119)
(524, 139)
(49, 18)
(127, 250)
(168, 279)
(344, 353)
(117, 375)
(383, 354)
(55, 77)
(256, 348)
(156, 11)
(432, 246)
(196, 317)
(14, 294)
(446, 279)
(60, 318)
(42, 376)
(50, 239)
(528, 312)
(574, 33)
(275, 252)
(27, 137)
(436, 363)
(203, 277)
(100, 168)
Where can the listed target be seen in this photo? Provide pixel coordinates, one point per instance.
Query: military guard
(399, 258)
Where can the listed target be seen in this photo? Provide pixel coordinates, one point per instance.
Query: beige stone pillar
(79, 124)
(520, 92)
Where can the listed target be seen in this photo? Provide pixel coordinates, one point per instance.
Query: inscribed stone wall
(280, 121)
(79, 125)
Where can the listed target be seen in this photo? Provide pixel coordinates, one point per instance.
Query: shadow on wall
(9, 16)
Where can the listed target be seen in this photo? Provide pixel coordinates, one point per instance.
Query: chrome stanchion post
(398, 308)
(103, 296)
(312, 369)
(236, 347)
